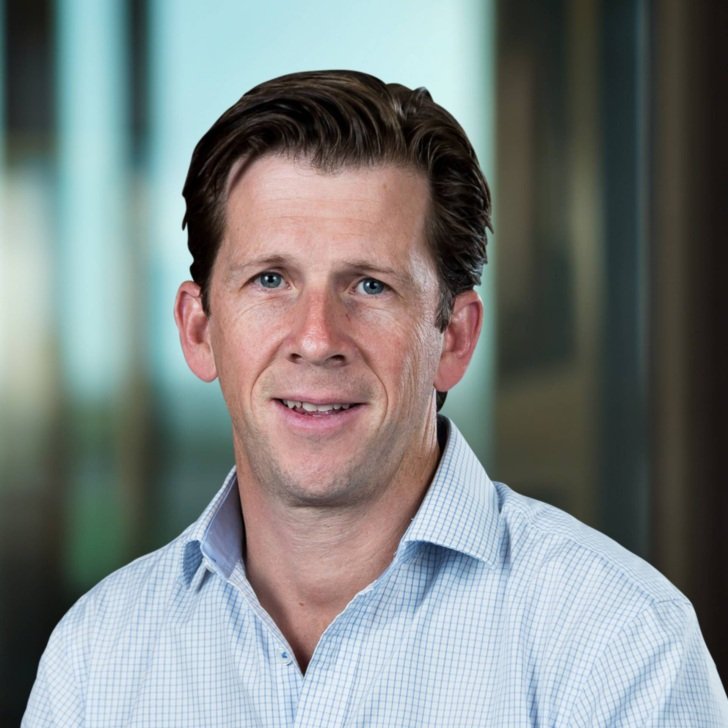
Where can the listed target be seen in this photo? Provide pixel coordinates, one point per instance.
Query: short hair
(338, 119)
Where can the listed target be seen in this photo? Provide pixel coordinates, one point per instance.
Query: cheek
(414, 359)
(239, 346)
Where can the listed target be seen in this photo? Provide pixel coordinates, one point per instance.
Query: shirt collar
(217, 535)
(460, 512)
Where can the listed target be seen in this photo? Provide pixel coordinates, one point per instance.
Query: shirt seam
(611, 639)
(624, 571)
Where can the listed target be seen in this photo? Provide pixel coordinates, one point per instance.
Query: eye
(371, 286)
(269, 279)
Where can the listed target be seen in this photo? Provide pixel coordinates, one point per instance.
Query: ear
(193, 325)
(460, 338)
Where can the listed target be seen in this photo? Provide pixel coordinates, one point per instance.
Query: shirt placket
(329, 683)
(283, 677)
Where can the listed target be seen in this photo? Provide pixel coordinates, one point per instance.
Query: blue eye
(270, 279)
(371, 286)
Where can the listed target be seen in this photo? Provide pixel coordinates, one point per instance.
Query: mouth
(325, 409)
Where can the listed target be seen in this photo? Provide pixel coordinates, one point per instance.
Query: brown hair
(336, 119)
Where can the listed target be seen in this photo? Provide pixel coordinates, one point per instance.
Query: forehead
(279, 201)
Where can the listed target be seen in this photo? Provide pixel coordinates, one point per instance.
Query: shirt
(497, 610)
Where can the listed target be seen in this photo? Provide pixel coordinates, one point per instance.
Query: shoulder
(567, 553)
(124, 611)
(571, 591)
(147, 586)
(152, 575)
(624, 642)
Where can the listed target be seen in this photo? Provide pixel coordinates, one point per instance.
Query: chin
(320, 490)
(325, 477)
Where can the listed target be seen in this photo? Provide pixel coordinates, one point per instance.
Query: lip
(318, 399)
(317, 423)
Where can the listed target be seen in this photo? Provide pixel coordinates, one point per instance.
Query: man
(358, 567)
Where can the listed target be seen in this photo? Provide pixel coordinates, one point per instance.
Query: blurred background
(599, 385)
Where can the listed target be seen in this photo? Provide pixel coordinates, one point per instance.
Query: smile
(311, 408)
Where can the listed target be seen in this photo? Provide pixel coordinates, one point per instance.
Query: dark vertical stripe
(623, 485)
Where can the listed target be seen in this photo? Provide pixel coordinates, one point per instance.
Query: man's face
(322, 329)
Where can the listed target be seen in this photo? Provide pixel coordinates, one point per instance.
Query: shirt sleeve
(57, 698)
(656, 672)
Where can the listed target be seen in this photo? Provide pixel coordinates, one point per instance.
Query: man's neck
(305, 564)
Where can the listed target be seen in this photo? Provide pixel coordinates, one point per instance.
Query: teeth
(310, 407)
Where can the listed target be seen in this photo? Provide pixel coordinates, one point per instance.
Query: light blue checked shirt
(497, 610)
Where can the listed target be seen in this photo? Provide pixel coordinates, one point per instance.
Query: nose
(318, 333)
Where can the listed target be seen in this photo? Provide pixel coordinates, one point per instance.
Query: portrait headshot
(398, 429)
